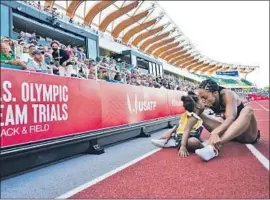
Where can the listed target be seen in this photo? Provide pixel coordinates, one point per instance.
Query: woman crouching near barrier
(187, 135)
(239, 123)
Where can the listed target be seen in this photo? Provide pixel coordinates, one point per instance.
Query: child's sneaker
(207, 153)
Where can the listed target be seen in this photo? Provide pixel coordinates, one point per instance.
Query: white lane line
(104, 176)
(259, 156)
(261, 106)
(263, 120)
(256, 152)
(264, 109)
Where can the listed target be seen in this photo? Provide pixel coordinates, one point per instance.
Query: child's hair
(189, 101)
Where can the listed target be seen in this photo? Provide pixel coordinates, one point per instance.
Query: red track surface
(262, 116)
(236, 173)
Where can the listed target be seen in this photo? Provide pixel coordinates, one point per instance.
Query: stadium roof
(143, 25)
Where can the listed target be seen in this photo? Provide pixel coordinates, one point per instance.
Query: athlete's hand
(215, 141)
(183, 152)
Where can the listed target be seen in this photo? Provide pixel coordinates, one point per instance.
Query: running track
(136, 169)
(236, 173)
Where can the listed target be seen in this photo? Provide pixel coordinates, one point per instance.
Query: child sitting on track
(186, 137)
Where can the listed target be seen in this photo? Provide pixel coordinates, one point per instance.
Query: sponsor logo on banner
(36, 104)
(136, 106)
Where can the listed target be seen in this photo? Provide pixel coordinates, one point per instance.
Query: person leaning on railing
(61, 60)
(7, 58)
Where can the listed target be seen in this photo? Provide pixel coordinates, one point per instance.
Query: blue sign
(227, 73)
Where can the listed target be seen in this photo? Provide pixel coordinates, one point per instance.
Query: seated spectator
(75, 51)
(92, 69)
(82, 54)
(117, 77)
(91, 76)
(25, 48)
(163, 85)
(10, 43)
(7, 58)
(37, 63)
(27, 57)
(47, 55)
(103, 74)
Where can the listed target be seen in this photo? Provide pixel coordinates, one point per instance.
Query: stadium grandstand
(137, 40)
(104, 70)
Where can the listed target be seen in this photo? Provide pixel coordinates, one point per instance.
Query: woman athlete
(238, 124)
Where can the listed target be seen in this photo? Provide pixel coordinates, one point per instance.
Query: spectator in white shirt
(27, 57)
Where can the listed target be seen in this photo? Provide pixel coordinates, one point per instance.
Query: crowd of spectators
(59, 59)
(55, 58)
(104, 69)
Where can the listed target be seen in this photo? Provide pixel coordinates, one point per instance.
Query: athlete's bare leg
(244, 128)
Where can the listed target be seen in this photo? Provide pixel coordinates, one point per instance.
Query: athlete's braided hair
(209, 85)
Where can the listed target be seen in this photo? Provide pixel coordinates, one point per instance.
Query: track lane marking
(263, 160)
(107, 175)
(259, 156)
(262, 106)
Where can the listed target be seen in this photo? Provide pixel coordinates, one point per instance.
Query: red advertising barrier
(36, 107)
(255, 97)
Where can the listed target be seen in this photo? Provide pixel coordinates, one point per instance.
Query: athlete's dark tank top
(221, 108)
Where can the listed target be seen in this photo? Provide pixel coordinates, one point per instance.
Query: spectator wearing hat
(61, 60)
(37, 63)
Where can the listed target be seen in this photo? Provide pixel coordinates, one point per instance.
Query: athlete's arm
(230, 113)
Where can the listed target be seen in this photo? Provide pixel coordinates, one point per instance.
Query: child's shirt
(184, 120)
